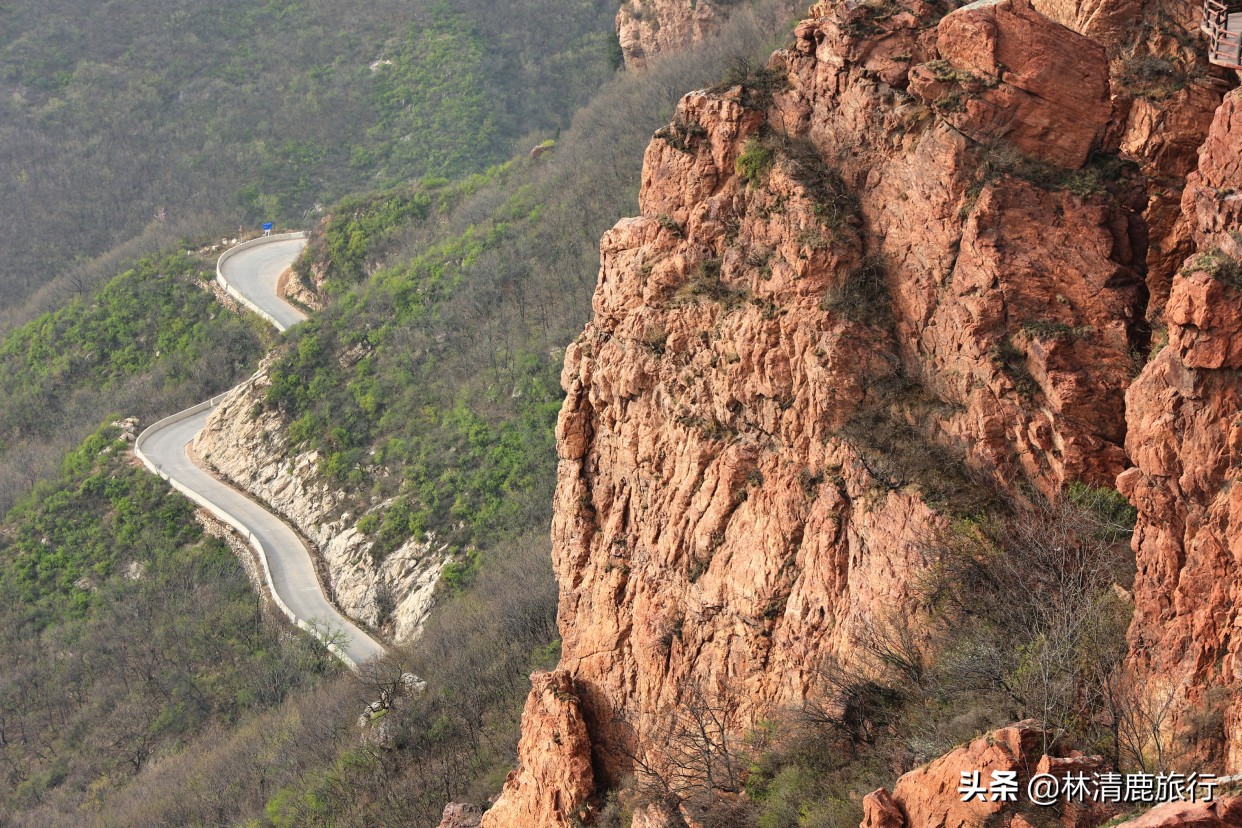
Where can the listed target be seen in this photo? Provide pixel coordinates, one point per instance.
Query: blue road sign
(267, 225)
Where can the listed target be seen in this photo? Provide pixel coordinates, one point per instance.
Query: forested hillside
(462, 324)
(138, 128)
(126, 629)
(149, 341)
(461, 296)
(136, 118)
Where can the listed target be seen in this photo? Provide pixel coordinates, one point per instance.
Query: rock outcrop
(554, 775)
(999, 302)
(1164, 94)
(291, 287)
(460, 815)
(888, 277)
(647, 27)
(1108, 22)
(1005, 74)
(246, 444)
(930, 795)
(1185, 441)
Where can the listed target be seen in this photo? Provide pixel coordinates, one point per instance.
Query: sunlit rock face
(724, 521)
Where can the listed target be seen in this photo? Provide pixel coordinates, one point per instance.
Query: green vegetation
(1113, 516)
(172, 115)
(126, 630)
(1219, 265)
(755, 161)
(871, 14)
(352, 235)
(149, 341)
(441, 364)
(152, 313)
(302, 762)
(462, 475)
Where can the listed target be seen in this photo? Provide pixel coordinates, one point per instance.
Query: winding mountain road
(250, 272)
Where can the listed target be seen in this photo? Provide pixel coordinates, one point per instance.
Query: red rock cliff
(862, 292)
(1185, 439)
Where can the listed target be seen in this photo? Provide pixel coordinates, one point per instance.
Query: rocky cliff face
(1186, 444)
(539, 791)
(866, 291)
(251, 451)
(648, 27)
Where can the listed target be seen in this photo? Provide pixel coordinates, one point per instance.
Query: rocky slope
(903, 271)
(246, 445)
(647, 27)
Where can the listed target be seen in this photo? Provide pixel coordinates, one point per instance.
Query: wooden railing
(1224, 40)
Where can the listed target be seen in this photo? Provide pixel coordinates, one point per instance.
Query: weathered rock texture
(459, 815)
(703, 521)
(1161, 125)
(844, 312)
(1225, 813)
(1105, 21)
(308, 293)
(1002, 308)
(648, 27)
(1185, 440)
(251, 451)
(1005, 74)
(929, 795)
(554, 774)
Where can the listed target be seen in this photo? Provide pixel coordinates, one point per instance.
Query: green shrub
(1114, 515)
(863, 295)
(755, 161)
(1219, 265)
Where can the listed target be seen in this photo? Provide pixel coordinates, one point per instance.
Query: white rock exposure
(251, 452)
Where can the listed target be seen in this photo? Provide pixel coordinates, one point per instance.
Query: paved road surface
(254, 272)
(293, 576)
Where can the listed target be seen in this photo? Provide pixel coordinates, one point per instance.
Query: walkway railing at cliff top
(1224, 40)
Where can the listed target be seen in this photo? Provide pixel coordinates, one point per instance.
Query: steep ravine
(916, 265)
